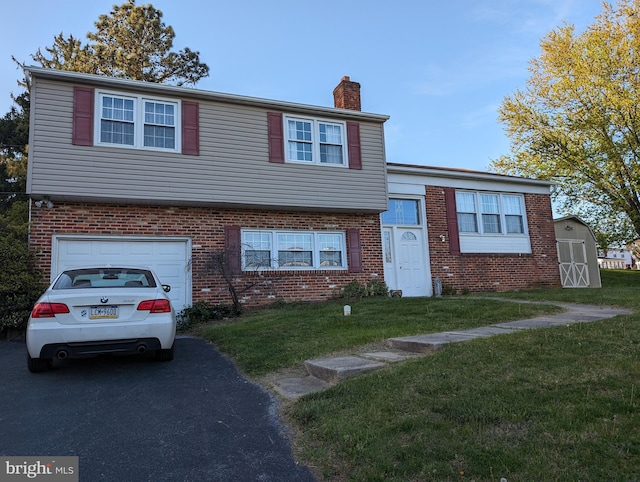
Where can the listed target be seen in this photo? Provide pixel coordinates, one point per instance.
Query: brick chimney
(347, 95)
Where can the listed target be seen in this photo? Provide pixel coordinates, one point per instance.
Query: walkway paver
(325, 372)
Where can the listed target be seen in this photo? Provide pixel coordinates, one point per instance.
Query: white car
(92, 311)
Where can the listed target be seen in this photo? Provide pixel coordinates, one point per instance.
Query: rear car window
(105, 278)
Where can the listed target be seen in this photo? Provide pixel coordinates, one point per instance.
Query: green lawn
(551, 404)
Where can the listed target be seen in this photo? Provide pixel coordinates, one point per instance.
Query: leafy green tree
(131, 42)
(14, 137)
(20, 283)
(577, 122)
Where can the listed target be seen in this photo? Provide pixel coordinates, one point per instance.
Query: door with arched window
(406, 265)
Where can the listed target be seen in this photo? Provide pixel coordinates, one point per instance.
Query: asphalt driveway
(130, 419)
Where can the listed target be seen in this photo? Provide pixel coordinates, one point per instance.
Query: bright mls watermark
(49, 469)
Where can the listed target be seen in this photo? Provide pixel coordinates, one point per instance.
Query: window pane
(117, 108)
(330, 247)
(491, 223)
(257, 250)
(465, 202)
(295, 250)
(467, 223)
(257, 259)
(331, 154)
(300, 151)
(291, 241)
(159, 113)
(387, 247)
(116, 132)
(515, 224)
(402, 211)
(330, 134)
(489, 203)
(299, 130)
(295, 258)
(260, 241)
(512, 204)
(156, 136)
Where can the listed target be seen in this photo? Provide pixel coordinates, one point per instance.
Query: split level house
(286, 201)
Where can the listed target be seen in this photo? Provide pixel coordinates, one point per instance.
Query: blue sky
(439, 69)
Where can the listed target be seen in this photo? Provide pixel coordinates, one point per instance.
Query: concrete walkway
(324, 372)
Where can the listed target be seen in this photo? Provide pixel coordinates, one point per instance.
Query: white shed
(577, 253)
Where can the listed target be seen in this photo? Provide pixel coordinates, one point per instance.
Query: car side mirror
(166, 288)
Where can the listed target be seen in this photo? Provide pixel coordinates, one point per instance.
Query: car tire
(37, 365)
(164, 355)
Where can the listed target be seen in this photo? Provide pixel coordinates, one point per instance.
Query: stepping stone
(335, 369)
(432, 342)
(293, 388)
(388, 356)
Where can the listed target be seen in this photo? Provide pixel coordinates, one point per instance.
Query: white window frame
(314, 142)
(269, 242)
(479, 220)
(138, 120)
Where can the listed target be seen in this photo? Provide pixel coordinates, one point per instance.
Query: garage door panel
(168, 258)
(109, 249)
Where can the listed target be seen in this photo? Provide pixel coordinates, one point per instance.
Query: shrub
(20, 284)
(354, 290)
(202, 312)
(377, 287)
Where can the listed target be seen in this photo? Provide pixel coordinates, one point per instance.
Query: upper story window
(490, 213)
(137, 121)
(315, 141)
(293, 249)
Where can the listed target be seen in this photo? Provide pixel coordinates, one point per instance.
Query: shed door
(574, 269)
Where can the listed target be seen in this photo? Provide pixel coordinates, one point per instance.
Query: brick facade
(494, 272)
(205, 227)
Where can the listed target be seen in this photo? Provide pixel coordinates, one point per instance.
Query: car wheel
(164, 355)
(36, 365)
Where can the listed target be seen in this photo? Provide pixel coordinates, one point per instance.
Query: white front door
(574, 270)
(404, 261)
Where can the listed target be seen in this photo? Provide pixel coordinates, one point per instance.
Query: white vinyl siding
(287, 250)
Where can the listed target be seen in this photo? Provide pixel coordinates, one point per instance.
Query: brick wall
(494, 272)
(205, 227)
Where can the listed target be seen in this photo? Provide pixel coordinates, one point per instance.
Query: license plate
(102, 312)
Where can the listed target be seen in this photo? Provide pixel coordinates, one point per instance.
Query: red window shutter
(190, 128)
(353, 140)
(82, 132)
(276, 137)
(233, 252)
(354, 251)
(452, 220)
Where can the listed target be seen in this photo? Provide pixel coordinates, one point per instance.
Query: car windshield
(105, 278)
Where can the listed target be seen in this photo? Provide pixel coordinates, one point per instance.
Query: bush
(20, 284)
(202, 312)
(355, 290)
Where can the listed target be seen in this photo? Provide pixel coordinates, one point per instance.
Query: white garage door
(168, 257)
